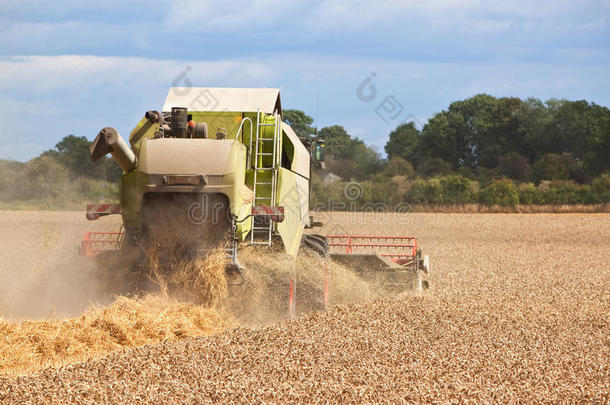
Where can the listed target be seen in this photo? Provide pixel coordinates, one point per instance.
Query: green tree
(300, 122)
(456, 189)
(514, 166)
(441, 140)
(73, 153)
(601, 188)
(339, 144)
(45, 178)
(500, 192)
(397, 166)
(12, 180)
(362, 164)
(425, 192)
(596, 157)
(473, 132)
(434, 167)
(552, 167)
(404, 143)
(534, 119)
(349, 157)
(488, 124)
(366, 161)
(564, 192)
(528, 194)
(572, 124)
(576, 127)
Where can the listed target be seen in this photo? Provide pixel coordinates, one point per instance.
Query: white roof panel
(223, 99)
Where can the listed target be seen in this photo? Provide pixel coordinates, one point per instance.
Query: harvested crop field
(518, 311)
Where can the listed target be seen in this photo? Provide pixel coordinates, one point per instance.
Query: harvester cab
(216, 166)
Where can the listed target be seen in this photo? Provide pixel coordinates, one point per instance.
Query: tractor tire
(322, 239)
(316, 243)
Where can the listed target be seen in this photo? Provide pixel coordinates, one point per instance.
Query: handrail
(241, 126)
(240, 129)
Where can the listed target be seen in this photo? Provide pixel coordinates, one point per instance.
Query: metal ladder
(265, 175)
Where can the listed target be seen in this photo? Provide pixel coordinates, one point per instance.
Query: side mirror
(319, 150)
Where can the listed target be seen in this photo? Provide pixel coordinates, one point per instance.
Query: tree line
(60, 178)
(484, 149)
(486, 137)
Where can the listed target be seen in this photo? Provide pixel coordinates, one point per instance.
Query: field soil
(517, 311)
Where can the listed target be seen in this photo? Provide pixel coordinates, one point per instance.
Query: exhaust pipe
(179, 117)
(109, 141)
(154, 116)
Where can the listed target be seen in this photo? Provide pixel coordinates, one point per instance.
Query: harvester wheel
(322, 239)
(317, 243)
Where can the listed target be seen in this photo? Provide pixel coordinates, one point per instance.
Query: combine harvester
(217, 166)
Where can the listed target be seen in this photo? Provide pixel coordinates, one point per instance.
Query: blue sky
(77, 66)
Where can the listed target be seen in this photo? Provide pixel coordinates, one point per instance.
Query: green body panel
(236, 181)
(230, 121)
(133, 187)
(144, 129)
(291, 229)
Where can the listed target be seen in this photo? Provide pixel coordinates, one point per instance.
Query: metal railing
(95, 242)
(400, 249)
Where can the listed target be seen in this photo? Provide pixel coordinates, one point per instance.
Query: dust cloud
(64, 289)
(41, 272)
(57, 307)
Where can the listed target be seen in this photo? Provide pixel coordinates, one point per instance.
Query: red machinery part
(291, 303)
(326, 283)
(400, 249)
(94, 211)
(95, 242)
(276, 214)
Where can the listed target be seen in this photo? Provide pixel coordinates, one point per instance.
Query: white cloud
(467, 16)
(594, 24)
(346, 14)
(239, 16)
(486, 26)
(47, 97)
(70, 72)
(81, 94)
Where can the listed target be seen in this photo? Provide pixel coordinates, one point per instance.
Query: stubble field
(518, 311)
